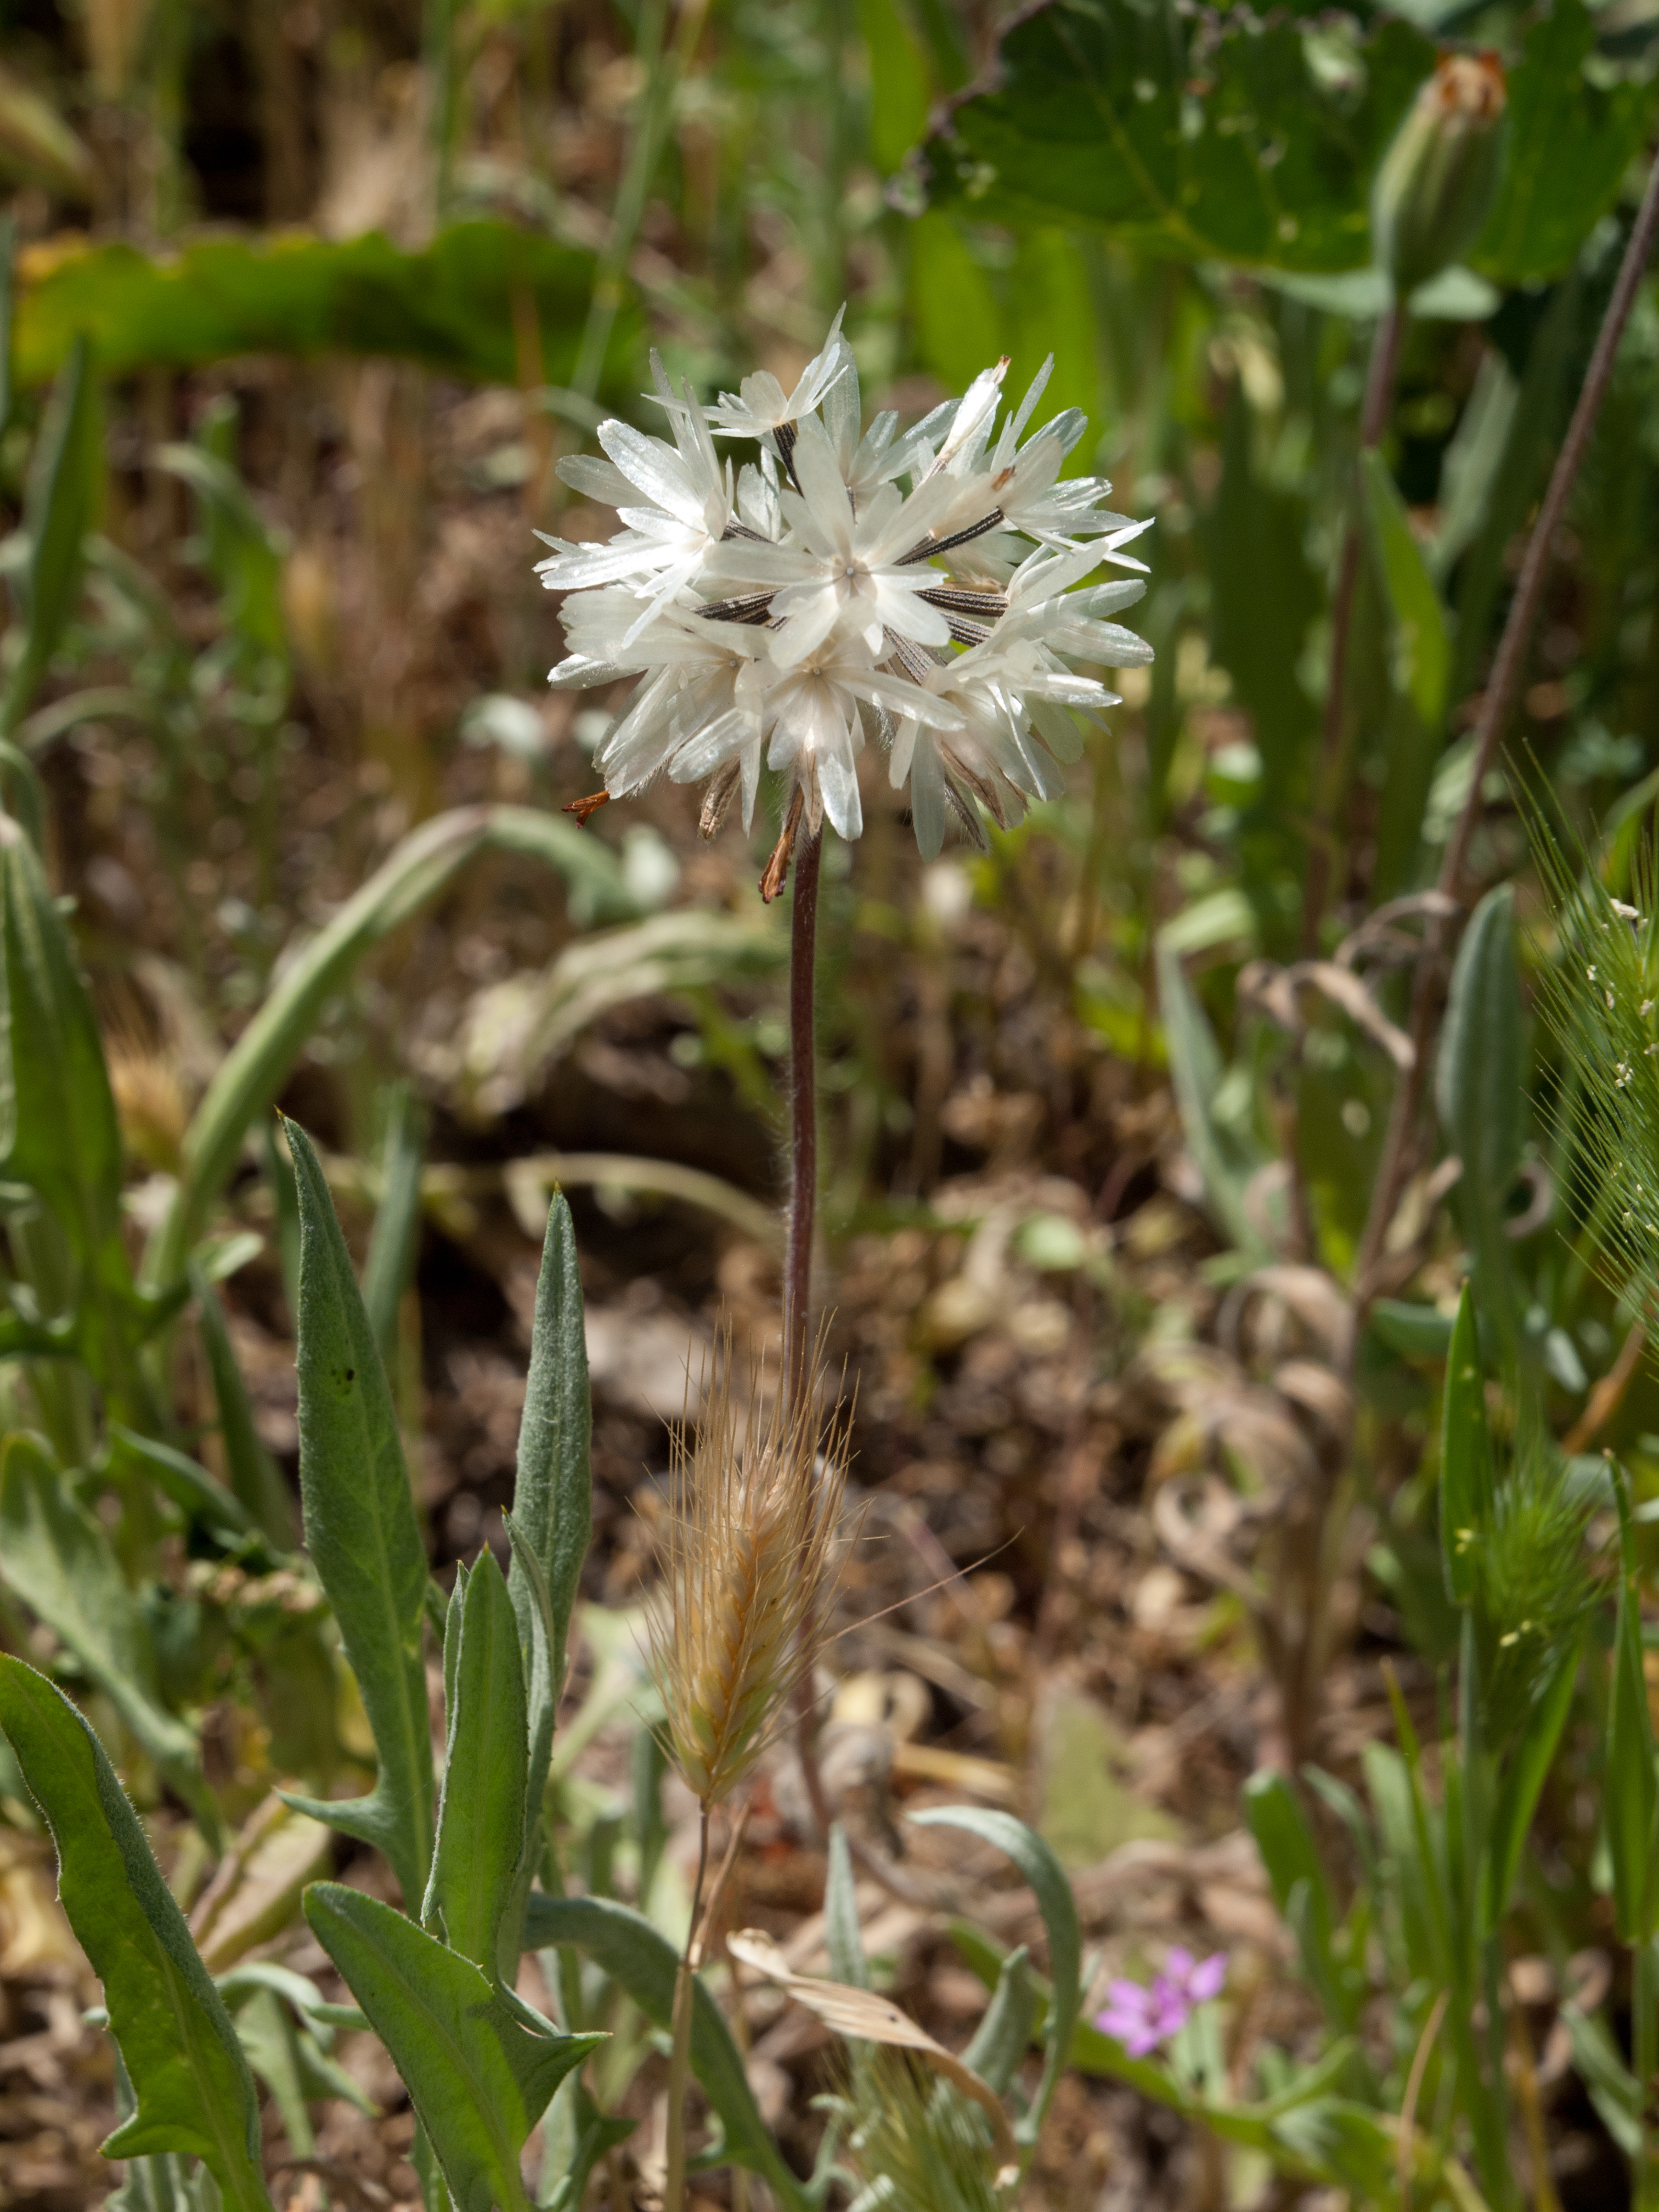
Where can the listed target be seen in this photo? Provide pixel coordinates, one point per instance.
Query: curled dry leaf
(864, 2017)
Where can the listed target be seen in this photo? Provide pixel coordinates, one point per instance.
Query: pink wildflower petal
(1178, 1965)
(1207, 1979)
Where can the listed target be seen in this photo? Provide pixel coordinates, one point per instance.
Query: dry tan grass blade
(867, 2018)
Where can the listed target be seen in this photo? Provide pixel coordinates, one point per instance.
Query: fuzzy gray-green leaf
(477, 2075)
(481, 1820)
(362, 1533)
(553, 1493)
(194, 2093)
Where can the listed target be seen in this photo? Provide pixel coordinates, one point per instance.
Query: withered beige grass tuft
(749, 1554)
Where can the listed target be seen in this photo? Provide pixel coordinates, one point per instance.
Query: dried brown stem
(802, 1115)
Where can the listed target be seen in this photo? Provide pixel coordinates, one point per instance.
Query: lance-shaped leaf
(1047, 1877)
(478, 2075)
(397, 1220)
(59, 1560)
(640, 1959)
(58, 507)
(362, 1533)
(195, 2095)
(481, 1823)
(1517, 1797)
(553, 1491)
(1466, 1477)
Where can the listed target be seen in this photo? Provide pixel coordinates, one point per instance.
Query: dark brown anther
(777, 868)
(583, 809)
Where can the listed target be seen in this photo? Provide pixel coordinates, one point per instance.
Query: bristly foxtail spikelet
(1600, 996)
(754, 1513)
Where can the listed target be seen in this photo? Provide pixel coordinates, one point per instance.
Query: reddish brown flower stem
(802, 1115)
(1399, 1146)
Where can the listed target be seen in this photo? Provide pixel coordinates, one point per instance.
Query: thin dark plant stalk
(802, 1115)
(1400, 1144)
(1328, 773)
(679, 2063)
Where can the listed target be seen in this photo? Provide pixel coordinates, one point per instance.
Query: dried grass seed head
(751, 1553)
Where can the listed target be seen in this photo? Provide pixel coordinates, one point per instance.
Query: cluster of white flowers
(808, 603)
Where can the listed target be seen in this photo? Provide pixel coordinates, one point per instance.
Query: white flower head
(931, 592)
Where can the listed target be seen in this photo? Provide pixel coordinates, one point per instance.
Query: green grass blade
(1517, 1795)
(1466, 1473)
(194, 2092)
(1047, 1877)
(642, 1961)
(396, 1220)
(254, 1475)
(1629, 1789)
(841, 1915)
(553, 1491)
(411, 875)
(362, 1533)
(477, 2075)
(480, 1822)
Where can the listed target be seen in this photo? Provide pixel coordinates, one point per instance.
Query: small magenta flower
(1140, 2019)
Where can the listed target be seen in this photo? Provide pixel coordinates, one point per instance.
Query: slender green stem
(679, 2063)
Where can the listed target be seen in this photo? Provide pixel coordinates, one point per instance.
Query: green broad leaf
(59, 1560)
(642, 1961)
(255, 1477)
(396, 1220)
(1193, 134)
(481, 1820)
(1047, 1879)
(1005, 2034)
(1572, 136)
(1518, 1793)
(553, 1490)
(1466, 1470)
(362, 1533)
(900, 84)
(841, 1915)
(450, 305)
(1481, 1093)
(59, 506)
(195, 2095)
(1629, 1789)
(478, 2075)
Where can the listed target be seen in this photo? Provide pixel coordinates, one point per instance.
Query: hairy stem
(1327, 770)
(802, 1115)
(1400, 1144)
(679, 2063)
